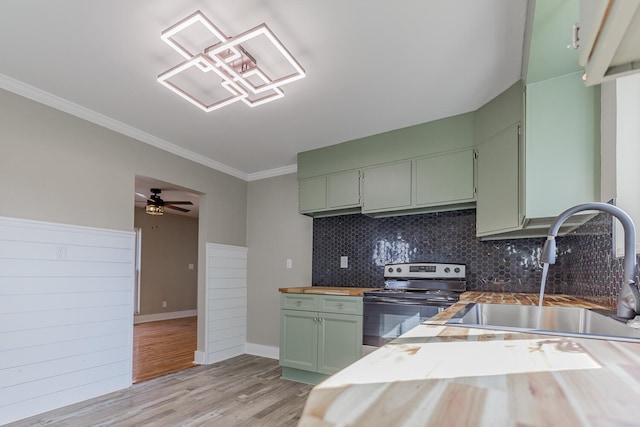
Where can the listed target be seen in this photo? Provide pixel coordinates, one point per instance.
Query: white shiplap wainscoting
(66, 315)
(226, 295)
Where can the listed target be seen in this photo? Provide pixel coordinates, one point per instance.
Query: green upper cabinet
(562, 145)
(445, 179)
(339, 192)
(525, 180)
(423, 168)
(387, 187)
(500, 173)
(432, 183)
(551, 166)
(312, 194)
(551, 24)
(498, 208)
(343, 190)
(609, 39)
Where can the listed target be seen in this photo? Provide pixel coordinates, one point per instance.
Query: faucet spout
(629, 297)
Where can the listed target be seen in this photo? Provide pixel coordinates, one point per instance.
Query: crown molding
(46, 98)
(285, 170)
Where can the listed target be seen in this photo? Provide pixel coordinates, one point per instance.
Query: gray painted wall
(59, 168)
(169, 245)
(276, 232)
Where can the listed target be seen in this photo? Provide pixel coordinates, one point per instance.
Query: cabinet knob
(339, 305)
(298, 303)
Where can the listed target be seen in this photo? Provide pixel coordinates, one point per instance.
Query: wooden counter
(438, 375)
(326, 290)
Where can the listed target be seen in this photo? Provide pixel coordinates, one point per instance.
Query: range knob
(398, 270)
(390, 270)
(457, 269)
(447, 270)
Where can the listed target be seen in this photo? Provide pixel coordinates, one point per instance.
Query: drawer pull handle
(339, 305)
(298, 303)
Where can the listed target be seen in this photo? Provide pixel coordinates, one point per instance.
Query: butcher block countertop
(326, 290)
(437, 375)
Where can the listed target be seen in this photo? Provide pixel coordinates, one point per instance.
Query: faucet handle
(629, 301)
(549, 251)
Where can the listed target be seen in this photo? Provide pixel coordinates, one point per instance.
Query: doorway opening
(166, 293)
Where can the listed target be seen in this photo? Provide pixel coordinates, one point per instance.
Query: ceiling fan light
(154, 210)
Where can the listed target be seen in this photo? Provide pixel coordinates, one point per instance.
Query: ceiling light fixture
(234, 69)
(154, 209)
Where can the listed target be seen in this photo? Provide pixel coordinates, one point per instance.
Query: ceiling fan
(155, 205)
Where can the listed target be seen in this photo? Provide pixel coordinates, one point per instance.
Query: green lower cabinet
(339, 341)
(316, 344)
(299, 334)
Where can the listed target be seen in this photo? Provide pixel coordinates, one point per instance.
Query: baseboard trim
(262, 350)
(164, 316)
(199, 357)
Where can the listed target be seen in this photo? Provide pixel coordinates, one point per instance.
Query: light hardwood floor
(163, 346)
(242, 391)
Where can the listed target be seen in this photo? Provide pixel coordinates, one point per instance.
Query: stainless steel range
(412, 293)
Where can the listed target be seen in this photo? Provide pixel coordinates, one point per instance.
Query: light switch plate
(344, 262)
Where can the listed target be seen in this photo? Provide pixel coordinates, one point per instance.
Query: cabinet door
(498, 183)
(344, 189)
(444, 179)
(299, 339)
(340, 341)
(562, 145)
(312, 194)
(387, 187)
(608, 39)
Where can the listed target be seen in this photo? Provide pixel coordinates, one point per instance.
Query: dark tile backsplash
(584, 265)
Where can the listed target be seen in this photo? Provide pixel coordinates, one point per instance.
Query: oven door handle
(395, 301)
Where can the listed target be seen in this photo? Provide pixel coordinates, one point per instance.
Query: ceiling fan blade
(176, 208)
(141, 195)
(178, 203)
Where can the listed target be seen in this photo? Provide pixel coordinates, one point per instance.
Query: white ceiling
(372, 66)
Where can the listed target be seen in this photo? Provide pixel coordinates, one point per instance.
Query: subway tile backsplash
(584, 265)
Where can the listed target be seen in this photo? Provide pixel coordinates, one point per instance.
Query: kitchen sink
(566, 321)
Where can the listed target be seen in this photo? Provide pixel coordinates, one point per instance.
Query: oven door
(386, 318)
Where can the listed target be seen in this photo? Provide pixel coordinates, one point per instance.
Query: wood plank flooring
(163, 346)
(242, 391)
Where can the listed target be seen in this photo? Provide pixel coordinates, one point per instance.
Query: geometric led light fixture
(218, 70)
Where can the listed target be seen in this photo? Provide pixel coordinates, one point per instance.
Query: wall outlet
(164, 304)
(344, 262)
(289, 263)
(191, 266)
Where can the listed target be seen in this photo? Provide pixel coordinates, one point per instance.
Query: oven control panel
(422, 270)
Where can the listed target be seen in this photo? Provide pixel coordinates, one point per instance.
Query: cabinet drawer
(299, 302)
(341, 304)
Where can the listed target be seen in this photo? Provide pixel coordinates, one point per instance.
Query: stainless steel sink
(567, 321)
